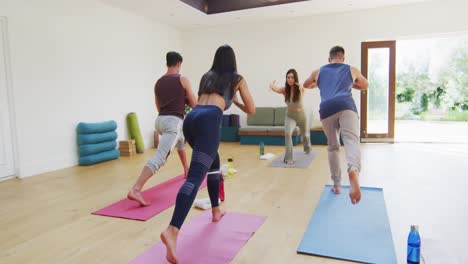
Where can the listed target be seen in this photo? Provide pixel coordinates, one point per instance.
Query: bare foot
(217, 214)
(354, 189)
(169, 238)
(135, 195)
(289, 162)
(336, 189)
(307, 152)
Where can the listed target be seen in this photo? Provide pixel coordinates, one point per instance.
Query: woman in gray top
(295, 115)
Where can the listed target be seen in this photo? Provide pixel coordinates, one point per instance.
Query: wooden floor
(46, 219)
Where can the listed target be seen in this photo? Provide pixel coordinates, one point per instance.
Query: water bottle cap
(415, 228)
(230, 159)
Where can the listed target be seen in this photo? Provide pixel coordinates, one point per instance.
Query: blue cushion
(96, 138)
(90, 128)
(229, 134)
(88, 149)
(100, 157)
(267, 140)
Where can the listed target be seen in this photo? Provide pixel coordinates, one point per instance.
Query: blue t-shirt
(335, 83)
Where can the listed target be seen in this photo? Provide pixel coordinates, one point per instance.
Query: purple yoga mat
(201, 241)
(161, 196)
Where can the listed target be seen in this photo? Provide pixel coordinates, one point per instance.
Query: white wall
(85, 61)
(78, 61)
(265, 51)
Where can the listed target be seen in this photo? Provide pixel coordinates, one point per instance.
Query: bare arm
(248, 106)
(311, 82)
(191, 98)
(156, 102)
(276, 89)
(360, 82)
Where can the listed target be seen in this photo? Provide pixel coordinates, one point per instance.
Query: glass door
(378, 102)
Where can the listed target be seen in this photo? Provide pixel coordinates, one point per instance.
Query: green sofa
(267, 126)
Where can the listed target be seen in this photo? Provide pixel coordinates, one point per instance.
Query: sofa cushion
(254, 128)
(281, 128)
(316, 127)
(264, 116)
(280, 114)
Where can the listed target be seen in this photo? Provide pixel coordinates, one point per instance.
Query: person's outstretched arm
(311, 82)
(276, 89)
(191, 98)
(360, 82)
(248, 106)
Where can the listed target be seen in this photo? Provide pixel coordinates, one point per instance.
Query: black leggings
(202, 132)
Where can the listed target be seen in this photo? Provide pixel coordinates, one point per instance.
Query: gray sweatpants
(347, 123)
(170, 129)
(293, 118)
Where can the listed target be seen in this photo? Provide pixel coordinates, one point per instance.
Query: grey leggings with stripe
(170, 129)
(345, 123)
(292, 119)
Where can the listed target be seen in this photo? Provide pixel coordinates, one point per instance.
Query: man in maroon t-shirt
(171, 92)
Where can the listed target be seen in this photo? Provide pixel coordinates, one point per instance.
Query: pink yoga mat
(201, 241)
(161, 196)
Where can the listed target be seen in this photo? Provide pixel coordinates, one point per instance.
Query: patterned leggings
(202, 131)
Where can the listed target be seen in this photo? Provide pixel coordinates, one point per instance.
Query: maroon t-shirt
(170, 95)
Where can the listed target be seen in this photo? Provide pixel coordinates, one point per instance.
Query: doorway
(7, 166)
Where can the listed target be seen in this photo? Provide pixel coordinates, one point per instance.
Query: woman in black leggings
(218, 90)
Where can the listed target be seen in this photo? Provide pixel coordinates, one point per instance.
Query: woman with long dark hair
(295, 115)
(218, 90)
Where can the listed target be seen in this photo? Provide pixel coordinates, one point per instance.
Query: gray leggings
(347, 123)
(293, 118)
(170, 129)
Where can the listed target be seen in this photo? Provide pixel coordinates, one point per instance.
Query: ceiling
(222, 6)
(185, 17)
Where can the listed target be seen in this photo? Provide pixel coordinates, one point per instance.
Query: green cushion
(264, 116)
(134, 131)
(280, 114)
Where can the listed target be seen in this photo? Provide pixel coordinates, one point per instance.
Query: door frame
(379, 137)
(10, 97)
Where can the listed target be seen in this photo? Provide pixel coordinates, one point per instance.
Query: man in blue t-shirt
(338, 114)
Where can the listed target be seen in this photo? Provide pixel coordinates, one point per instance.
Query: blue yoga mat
(341, 230)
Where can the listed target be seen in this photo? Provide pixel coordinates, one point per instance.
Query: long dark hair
(287, 87)
(223, 73)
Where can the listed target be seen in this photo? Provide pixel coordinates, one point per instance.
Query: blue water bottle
(414, 246)
(262, 148)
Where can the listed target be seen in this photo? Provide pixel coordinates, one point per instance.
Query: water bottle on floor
(230, 170)
(221, 187)
(414, 246)
(262, 148)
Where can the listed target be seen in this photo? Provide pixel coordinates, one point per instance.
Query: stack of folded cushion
(97, 142)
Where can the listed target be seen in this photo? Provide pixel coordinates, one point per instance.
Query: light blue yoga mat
(341, 230)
